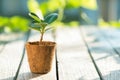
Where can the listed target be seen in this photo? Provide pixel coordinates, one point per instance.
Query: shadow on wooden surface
(113, 75)
(104, 42)
(27, 75)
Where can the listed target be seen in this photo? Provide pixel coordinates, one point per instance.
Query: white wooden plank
(113, 36)
(2, 46)
(6, 38)
(25, 73)
(105, 57)
(74, 62)
(10, 57)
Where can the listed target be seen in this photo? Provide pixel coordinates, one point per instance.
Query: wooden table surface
(82, 53)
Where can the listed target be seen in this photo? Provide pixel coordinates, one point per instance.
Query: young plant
(41, 24)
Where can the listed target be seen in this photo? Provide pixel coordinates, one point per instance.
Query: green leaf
(43, 24)
(48, 29)
(36, 26)
(51, 18)
(34, 21)
(34, 16)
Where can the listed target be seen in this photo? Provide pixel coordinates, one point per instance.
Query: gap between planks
(23, 54)
(74, 62)
(104, 55)
(97, 69)
(107, 33)
(10, 57)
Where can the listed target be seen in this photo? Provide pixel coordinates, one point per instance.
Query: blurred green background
(14, 13)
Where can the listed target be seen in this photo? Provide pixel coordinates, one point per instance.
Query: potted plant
(40, 53)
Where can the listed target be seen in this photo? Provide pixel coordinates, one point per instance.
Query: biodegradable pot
(40, 56)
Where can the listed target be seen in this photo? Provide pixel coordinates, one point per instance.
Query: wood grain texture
(74, 62)
(103, 53)
(10, 58)
(25, 73)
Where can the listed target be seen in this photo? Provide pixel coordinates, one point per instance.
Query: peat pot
(40, 56)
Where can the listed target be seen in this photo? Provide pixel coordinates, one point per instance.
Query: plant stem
(41, 37)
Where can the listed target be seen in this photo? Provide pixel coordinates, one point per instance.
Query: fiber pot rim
(44, 43)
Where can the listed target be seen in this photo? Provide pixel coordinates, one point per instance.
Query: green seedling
(41, 24)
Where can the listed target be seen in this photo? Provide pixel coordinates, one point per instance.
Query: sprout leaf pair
(40, 24)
